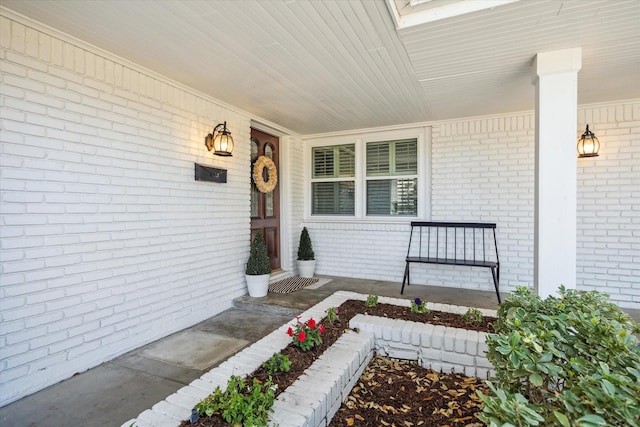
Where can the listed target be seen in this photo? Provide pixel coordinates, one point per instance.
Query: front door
(265, 206)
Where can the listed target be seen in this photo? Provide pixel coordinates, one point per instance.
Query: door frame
(286, 262)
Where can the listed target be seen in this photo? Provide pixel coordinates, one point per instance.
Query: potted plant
(258, 269)
(306, 257)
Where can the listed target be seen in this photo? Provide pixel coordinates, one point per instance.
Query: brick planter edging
(315, 397)
(312, 400)
(435, 347)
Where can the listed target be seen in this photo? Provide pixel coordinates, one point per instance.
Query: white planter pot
(306, 268)
(258, 285)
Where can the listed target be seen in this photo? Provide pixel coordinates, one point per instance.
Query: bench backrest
(473, 242)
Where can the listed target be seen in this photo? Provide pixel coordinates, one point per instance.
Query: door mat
(291, 284)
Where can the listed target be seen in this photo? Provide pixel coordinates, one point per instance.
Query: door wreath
(258, 168)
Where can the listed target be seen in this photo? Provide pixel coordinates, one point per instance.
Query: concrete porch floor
(120, 389)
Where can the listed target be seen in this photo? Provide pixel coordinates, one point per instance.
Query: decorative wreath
(258, 167)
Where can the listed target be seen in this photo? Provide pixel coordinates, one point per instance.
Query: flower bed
(343, 369)
(433, 346)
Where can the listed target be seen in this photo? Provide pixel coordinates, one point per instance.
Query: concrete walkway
(119, 390)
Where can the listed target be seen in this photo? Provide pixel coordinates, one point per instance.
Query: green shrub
(258, 262)
(419, 306)
(473, 315)
(305, 249)
(372, 301)
(240, 404)
(277, 363)
(570, 360)
(332, 315)
(306, 335)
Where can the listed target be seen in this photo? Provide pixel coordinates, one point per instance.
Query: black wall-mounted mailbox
(206, 173)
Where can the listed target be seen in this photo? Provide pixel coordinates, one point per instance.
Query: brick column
(555, 75)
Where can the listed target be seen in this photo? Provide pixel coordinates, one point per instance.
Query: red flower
(302, 336)
(311, 323)
(290, 331)
(321, 328)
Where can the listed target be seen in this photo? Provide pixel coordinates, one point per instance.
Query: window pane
(337, 161)
(254, 149)
(406, 157)
(333, 198)
(377, 158)
(254, 201)
(392, 197)
(323, 164)
(390, 158)
(379, 197)
(406, 196)
(347, 155)
(268, 201)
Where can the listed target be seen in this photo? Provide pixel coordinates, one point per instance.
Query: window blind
(378, 158)
(334, 162)
(396, 195)
(333, 198)
(406, 154)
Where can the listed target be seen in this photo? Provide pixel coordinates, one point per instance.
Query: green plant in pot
(258, 269)
(306, 257)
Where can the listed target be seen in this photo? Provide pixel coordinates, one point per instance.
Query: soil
(400, 393)
(390, 392)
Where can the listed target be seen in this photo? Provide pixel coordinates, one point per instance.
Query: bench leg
(495, 272)
(405, 278)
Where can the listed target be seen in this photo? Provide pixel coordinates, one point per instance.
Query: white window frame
(421, 134)
(332, 179)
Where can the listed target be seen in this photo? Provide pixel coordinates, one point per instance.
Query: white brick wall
(495, 182)
(108, 242)
(293, 174)
(368, 251)
(483, 170)
(609, 204)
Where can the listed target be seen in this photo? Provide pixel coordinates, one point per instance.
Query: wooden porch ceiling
(324, 66)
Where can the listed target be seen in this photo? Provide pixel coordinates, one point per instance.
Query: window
(377, 176)
(333, 180)
(392, 177)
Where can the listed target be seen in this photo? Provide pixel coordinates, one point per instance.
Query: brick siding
(608, 254)
(483, 169)
(108, 242)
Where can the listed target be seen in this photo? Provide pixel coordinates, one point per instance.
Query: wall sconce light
(588, 145)
(221, 143)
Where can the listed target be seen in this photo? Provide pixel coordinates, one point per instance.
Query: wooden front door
(265, 207)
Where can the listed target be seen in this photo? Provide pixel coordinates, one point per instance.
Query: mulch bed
(438, 402)
(401, 393)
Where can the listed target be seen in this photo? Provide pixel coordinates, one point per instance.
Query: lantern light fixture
(588, 144)
(221, 142)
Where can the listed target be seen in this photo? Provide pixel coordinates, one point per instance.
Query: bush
(306, 335)
(277, 363)
(473, 315)
(241, 403)
(305, 249)
(332, 315)
(419, 306)
(570, 360)
(372, 301)
(258, 262)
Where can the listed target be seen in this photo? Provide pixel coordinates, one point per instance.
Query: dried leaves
(393, 393)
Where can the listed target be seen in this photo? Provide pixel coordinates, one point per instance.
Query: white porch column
(556, 80)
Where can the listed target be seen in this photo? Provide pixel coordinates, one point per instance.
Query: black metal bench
(454, 243)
